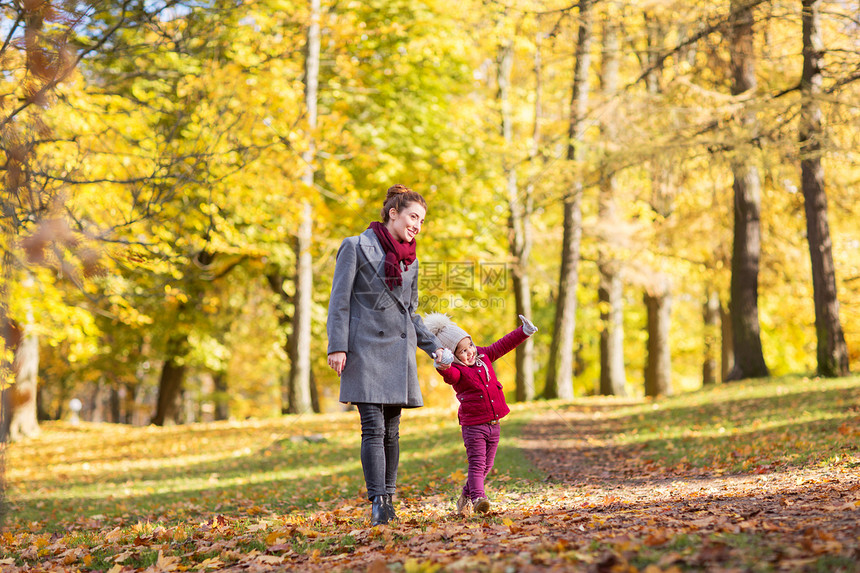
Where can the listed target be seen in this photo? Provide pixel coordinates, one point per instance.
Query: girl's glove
(528, 327)
(447, 357)
(444, 357)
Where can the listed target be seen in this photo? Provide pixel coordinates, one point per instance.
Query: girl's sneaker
(464, 506)
(482, 505)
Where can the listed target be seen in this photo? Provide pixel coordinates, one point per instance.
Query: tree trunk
(519, 240)
(525, 352)
(276, 281)
(654, 34)
(315, 397)
(9, 338)
(301, 341)
(559, 381)
(300, 349)
(19, 400)
(98, 401)
(711, 318)
(746, 250)
(189, 405)
(141, 398)
(170, 384)
(115, 404)
(41, 411)
(613, 378)
(658, 290)
(222, 397)
(727, 345)
(658, 367)
(832, 350)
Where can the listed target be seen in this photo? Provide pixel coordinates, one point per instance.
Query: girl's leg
(391, 415)
(492, 447)
(372, 448)
(475, 440)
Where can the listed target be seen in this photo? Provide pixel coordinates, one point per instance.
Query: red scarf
(395, 253)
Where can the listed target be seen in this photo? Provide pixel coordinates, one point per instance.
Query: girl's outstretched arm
(510, 341)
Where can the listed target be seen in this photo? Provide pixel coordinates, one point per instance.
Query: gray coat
(378, 328)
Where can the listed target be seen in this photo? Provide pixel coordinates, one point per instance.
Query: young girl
(482, 401)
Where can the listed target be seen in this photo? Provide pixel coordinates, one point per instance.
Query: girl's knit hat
(448, 333)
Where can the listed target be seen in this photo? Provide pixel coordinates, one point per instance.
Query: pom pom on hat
(448, 333)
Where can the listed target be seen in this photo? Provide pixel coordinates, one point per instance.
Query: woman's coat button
(381, 333)
(402, 335)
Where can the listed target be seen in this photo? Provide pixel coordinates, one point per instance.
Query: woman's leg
(372, 448)
(391, 415)
(475, 440)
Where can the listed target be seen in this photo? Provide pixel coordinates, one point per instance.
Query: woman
(373, 331)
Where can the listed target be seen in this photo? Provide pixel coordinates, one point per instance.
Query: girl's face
(406, 224)
(466, 352)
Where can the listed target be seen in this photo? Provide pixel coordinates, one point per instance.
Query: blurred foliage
(171, 155)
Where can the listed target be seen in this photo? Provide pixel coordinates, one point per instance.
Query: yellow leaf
(211, 563)
(166, 563)
(508, 521)
(122, 556)
(275, 538)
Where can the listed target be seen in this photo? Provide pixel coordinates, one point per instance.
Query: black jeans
(380, 447)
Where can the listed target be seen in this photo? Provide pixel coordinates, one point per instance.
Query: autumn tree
(37, 56)
(832, 352)
(180, 78)
(519, 205)
(43, 47)
(300, 390)
(613, 378)
(559, 377)
(746, 253)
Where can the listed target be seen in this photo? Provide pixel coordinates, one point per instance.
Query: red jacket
(479, 392)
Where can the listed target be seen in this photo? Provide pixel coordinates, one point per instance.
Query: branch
(843, 82)
(62, 74)
(11, 33)
(708, 29)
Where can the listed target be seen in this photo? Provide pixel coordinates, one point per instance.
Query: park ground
(756, 476)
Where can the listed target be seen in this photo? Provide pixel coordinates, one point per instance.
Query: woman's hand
(337, 360)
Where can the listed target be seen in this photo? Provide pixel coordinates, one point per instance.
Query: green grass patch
(754, 425)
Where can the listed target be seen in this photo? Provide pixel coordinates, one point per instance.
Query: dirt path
(767, 521)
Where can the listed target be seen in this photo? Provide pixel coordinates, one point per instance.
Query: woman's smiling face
(406, 224)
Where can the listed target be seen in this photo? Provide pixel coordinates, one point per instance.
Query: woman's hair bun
(396, 190)
(397, 198)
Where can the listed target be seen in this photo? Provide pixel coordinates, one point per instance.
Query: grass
(790, 421)
(94, 496)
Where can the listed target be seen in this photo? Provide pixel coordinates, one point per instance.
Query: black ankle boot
(389, 506)
(378, 510)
